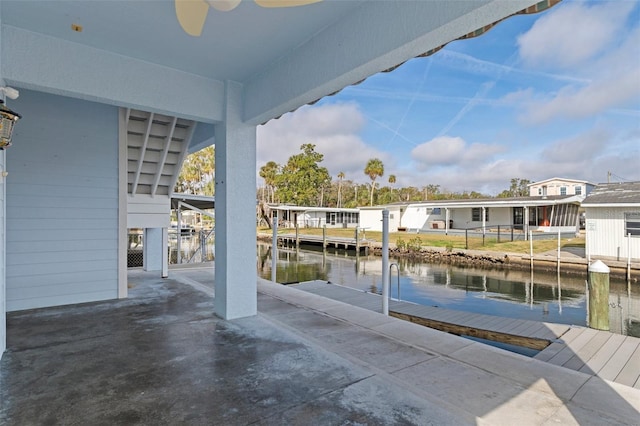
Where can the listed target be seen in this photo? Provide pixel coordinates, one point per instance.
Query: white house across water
(316, 217)
(538, 214)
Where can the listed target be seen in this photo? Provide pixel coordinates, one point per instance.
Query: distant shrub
(401, 244)
(414, 244)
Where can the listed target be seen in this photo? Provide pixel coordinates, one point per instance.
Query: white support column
(3, 231)
(236, 274)
(484, 221)
(153, 249)
(165, 252)
(446, 221)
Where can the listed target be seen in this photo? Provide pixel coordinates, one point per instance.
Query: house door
(518, 217)
(333, 218)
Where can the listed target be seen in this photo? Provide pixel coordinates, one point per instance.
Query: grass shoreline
(449, 242)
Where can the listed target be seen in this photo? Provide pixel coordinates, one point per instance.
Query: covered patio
(114, 94)
(161, 357)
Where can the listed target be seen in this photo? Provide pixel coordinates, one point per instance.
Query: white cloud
(578, 149)
(573, 33)
(571, 102)
(611, 67)
(443, 150)
(452, 151)
(332, 128)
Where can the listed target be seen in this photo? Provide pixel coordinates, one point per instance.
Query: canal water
(508, 293)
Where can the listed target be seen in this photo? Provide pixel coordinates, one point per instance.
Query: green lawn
(454, 242)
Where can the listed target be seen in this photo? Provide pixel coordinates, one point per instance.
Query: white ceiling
(134, 53)
(234, 45)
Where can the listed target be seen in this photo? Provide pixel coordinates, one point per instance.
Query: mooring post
(385, 262)
(558, 250)
(531, 249)
(357, 241)
(599, 296)
(324, 237)
(629, 258)
(297, 236)
(274, 246)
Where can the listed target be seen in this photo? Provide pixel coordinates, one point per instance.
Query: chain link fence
(189, 247)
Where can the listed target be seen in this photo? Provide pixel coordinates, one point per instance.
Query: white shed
(613, 220)
(371, 217)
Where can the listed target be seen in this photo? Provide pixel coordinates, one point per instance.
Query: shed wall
(371, 219)
(62, 203)
(605, 232)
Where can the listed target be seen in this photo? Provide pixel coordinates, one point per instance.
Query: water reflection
(550, 297)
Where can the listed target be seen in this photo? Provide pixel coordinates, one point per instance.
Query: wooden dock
(598, 353)
(325, 242)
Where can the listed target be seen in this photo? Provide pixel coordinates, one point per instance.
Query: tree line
(303, 181)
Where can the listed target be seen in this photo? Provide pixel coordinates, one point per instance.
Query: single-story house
(538, 214)
(613, 220)
(316, 217)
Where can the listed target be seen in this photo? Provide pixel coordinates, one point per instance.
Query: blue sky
(555, 94)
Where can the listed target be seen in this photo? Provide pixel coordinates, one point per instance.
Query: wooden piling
(324, 237)
(599, 296)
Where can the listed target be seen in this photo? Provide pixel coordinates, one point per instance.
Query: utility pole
(608, 177)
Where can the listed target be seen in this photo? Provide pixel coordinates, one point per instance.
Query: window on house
(578, 190)
(476, 214)
(436, 211)
(632, 224)
(563, 190)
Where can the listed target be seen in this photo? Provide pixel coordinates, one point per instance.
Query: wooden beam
(163, 157)
(143, 149)
(462, 330)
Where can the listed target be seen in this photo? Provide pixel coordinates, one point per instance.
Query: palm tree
(392, 180)
(269, 172)
(340, 177)
(374, 169)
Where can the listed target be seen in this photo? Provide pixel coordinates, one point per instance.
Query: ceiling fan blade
(285, 3)
(223, 5)
(191, 15)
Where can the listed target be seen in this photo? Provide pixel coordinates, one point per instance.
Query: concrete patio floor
(162, 357)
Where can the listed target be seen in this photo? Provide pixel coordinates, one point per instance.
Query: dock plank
(573, 347)
(520, 329)
(580, 358)
(509, 326)
(630, 373)
(607, 355)
(535, 329)
(616, 363)
(600, 358)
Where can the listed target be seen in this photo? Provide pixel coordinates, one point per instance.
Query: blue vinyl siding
(62, 203)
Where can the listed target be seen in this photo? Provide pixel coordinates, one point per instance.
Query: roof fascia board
(467, 204)
(64, 68)
(612, 205)
(360, 45)
(561, 180)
